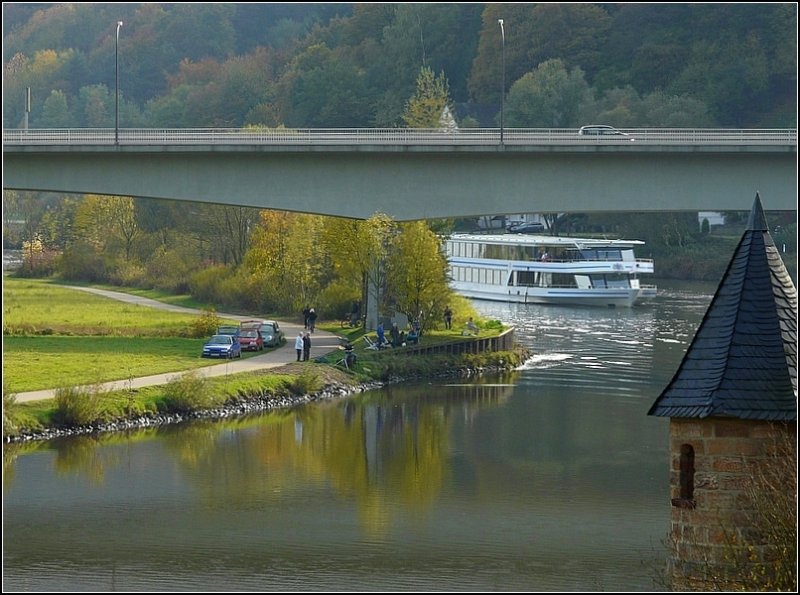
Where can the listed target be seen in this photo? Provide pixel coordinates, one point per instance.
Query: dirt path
(321, 344)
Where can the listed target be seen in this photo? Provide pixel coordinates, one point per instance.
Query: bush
(208, 285)
(765, 558)
(78, 405)
(305, 384)
(188, 392)
(80, 262)
(206, 324)
(337, 298)
(168, 270)
(9, 413)
(128, 274)
(37, 264)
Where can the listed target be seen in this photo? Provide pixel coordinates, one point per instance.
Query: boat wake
(544, 360)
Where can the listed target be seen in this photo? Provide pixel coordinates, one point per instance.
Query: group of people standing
(302, 345)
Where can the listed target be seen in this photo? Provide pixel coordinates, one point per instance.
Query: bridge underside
(410, 185)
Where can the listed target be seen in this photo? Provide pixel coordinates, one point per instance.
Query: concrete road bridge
(414, 174)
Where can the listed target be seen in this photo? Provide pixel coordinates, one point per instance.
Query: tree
(95, 107)
(548, 97)
(325, 88)
(55, 113)
(225, 231)
(286, 259)
(358, 252)
(623, 107)
(417, 273)
(428, 104)
(125, 224)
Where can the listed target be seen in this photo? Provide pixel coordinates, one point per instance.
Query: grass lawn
(36, 363)
(55, 337)
(33, 306)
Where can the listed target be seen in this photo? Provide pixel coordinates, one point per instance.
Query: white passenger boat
(538, 269)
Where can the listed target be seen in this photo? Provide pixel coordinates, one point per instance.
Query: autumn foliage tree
(417, 273)
(426, 106)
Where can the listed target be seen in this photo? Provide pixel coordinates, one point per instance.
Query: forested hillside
(369, 65)
(356, 65)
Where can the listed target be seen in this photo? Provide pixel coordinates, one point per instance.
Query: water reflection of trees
(387, 451)
(10, 453)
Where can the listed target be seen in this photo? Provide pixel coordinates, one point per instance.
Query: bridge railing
(391, 136)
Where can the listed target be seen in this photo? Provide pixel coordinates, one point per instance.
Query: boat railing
(570, 286)
(638, 261)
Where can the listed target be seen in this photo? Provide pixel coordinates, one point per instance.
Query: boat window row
(528, 253)
(600, 254)
(478, 275)
(537, 279)
(481, 250)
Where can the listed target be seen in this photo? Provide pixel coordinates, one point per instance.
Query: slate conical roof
(742, 362)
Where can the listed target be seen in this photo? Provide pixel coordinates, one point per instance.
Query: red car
(251, 339)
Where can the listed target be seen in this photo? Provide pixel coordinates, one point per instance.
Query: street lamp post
(503, 87)
(116, 87)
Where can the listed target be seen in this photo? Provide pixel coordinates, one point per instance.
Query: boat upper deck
(544, 241)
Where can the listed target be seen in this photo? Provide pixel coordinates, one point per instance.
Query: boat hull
(560, 296)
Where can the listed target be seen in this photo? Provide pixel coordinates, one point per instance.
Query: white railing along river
(393, 136)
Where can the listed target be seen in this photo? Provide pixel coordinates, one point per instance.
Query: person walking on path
(312, 319)
(306, 346)
(306, 311)
(298, 345)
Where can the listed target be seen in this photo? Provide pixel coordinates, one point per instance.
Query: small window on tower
(686, 478)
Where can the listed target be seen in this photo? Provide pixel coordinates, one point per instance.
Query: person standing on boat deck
(306, 346)
(298, 345)
(448, 317)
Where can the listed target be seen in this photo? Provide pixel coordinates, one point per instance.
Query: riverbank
(260, 382)
(335, 384)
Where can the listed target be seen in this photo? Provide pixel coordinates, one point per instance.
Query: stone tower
(732, 406)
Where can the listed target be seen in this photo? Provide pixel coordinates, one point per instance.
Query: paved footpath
(321, 344)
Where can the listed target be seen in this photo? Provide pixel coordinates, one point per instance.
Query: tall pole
(503, 87)
(116, 87)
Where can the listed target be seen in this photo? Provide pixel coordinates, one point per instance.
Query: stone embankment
(242, 405)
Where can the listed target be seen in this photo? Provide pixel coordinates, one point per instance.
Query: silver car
(601, 130)
(272, 333)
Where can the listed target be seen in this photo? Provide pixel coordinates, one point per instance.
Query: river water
(551, 478)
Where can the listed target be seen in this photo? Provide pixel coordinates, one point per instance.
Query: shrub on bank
(305, 384)
(9, 413)
(187, 392)
(78, 405)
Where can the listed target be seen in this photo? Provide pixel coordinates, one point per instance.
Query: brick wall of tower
(727, 454)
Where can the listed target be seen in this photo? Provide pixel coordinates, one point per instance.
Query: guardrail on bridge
(390, 136)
